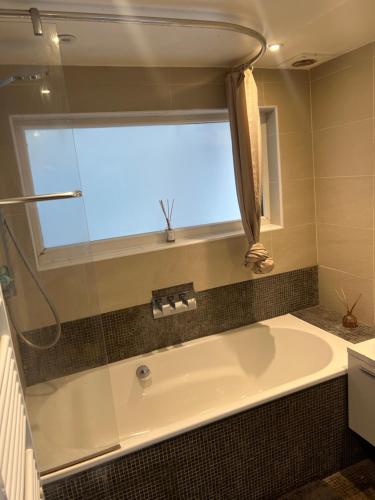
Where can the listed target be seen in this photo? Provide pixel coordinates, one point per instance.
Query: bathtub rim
(340, 351)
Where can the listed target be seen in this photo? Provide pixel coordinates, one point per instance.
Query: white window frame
(68, 255)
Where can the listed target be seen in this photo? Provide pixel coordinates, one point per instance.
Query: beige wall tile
(197, 96)
(345, 201)
(18, 223)
(288, 77)
(117, 283)
(344, 96)
(344, 150)
(129, 280)
(221, 262)
(346, 249)
(10, 184)
(116, 98)
(298, 202)
(276, 205)
(73, 291)
(27, 99)
(122, 89)
(260, 94)
(331, 279)
(123, 282)
(342, 104)
(294, 247)
(194, 76)
(5, 132)
(292, 99)
(84, 76)
(296, 155)
(342, 62)
(123, 76)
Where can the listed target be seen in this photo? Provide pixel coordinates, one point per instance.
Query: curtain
(242, 101)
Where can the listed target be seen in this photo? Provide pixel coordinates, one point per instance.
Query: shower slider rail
(40, 197)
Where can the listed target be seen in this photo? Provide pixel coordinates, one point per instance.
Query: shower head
(28, 77)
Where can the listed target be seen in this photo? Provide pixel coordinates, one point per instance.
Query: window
(124, 164)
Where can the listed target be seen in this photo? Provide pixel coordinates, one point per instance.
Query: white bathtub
(190, 385)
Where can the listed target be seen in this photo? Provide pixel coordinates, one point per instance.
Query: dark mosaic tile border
(332, 322)
(121, 334)
(261, 453)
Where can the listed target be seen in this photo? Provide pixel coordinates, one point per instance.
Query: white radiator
(19, 478)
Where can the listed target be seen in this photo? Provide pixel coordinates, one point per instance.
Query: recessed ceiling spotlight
(274, 47)
(45, 91)
(66, 38)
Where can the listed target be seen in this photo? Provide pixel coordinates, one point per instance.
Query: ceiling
(323, 27)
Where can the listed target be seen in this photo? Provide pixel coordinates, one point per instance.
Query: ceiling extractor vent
(303, 63)
(305, 60)
(66, 38)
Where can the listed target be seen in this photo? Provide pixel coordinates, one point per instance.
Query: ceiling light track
(37, 16)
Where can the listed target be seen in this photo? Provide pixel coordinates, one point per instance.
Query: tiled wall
(116, 335)
(106, 89)
(292, 440)
(343, 138)
(219, 263)
(343, 131)
(114, 284)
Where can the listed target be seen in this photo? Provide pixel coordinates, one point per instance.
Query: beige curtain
(242, 100)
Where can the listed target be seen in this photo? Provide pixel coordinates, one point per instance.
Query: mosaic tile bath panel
(116, 335)
(261, 453)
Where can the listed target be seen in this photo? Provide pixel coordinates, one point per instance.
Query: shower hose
(42, 291)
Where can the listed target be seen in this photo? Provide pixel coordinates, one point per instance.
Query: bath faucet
(188, 299)
(181, 300)
(172, 301)
(161, 305)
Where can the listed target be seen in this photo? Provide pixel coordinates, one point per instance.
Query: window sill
(270, 227)
(98, 251)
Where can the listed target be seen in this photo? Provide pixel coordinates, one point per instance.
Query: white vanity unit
(361, 372)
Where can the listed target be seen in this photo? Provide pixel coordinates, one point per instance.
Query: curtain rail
(161, 21)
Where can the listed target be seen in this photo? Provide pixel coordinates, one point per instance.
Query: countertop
(332, 322)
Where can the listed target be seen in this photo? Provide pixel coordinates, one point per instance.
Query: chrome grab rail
(40, 197)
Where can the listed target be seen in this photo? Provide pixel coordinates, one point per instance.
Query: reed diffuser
(168, 212)
(349, 320)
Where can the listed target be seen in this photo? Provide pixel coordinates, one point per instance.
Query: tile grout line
(342, 124)
(373, 179)
(314, 174)
(346, 273)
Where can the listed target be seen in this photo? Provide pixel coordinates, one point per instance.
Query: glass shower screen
(65, 376)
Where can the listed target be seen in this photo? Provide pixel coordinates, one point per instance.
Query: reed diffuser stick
(168, 212)
(349, 320)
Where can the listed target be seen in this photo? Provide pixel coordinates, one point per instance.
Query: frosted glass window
(124, 171)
